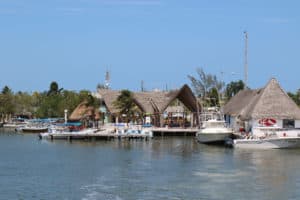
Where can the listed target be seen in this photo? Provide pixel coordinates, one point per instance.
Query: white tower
(107, 79)
(246, 59)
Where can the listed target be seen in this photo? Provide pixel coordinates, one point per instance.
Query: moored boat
(65, 134)
(214, 129)
(34, 129)
(267, 143)
(272, 138)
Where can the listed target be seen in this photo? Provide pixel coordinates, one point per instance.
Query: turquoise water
(164, 168)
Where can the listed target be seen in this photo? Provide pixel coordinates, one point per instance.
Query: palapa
(152, 102)
(83, 111)
(269, 102)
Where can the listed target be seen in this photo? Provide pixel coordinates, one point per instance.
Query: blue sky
(74, 42)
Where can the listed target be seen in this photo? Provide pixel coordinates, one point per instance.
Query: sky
(159, 42)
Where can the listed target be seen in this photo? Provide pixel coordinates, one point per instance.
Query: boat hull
(270, 143)
(212, 137)
(34, 130)
(62, 135)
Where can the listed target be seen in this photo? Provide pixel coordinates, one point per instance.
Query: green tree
(84, 95)
(6, 90)
(213, 98)
(205, 82)
(7, 101)
(233, 88)
(53, 90)
(23, 103)
(51, 101)
(295, 97)
(69, 101)
(126, 104)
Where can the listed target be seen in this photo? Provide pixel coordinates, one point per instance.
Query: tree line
(49, 103)
(53, 102)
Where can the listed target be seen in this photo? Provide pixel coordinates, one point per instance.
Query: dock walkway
(110, 134)
(96, 135)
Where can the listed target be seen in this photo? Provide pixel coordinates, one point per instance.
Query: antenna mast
(142, 86)
(107, 79)
(246, 59)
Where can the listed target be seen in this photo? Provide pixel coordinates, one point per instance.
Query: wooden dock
(95, 136)
(110, 135)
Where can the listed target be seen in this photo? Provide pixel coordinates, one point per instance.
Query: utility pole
(246, 59)
(142, 86)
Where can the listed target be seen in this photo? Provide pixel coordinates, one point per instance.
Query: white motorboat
(267, 143)
(13, 125)
(273, 138)
(65, 134)
(213, 129)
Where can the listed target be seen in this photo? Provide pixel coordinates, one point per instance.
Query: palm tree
(53, 90)
(127, 105)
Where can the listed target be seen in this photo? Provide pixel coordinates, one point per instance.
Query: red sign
(267, 122)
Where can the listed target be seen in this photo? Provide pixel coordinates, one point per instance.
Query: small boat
(134, 131)
(276, 138)
(33, 126)
(267, 143)
(65, 134)
(214, 129)
(13, 125)
(34, 129)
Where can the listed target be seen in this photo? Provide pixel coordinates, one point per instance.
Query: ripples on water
(163, 168)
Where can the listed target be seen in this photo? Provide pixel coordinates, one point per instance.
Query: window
(288, 123)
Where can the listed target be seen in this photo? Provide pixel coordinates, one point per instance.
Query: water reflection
(162, 168)
(274, 170)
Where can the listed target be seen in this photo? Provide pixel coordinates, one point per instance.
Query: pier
(109, 135)
(101, 135)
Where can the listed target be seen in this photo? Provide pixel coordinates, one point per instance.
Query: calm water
(169, 168)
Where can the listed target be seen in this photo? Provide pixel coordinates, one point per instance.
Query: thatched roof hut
(238, 102)
(268, 102)
(109, 97)
(83, 111)
(152, 102)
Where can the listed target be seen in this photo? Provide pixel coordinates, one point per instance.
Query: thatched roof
(152, 102)
(268, 102)
(109, 97)
(238, 102)
(83, 111)
(187, 97)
